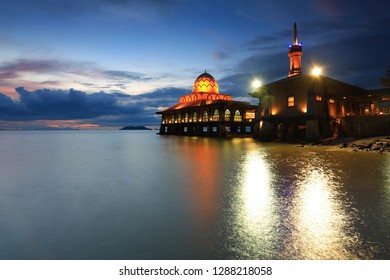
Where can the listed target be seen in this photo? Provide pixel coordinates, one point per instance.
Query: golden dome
(205, 83)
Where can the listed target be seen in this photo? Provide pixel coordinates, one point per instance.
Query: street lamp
(316, 71)
(256, 84)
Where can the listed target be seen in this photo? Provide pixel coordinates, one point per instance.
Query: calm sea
(136, 195)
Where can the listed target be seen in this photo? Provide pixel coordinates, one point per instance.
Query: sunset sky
(111, 63)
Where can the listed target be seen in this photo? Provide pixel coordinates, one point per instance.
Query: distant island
(135, 128)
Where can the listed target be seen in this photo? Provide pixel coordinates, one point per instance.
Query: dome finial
(205, 70)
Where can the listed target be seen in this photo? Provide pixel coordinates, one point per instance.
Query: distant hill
(135, 128)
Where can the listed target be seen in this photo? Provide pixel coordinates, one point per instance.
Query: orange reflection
(73, 124)
(200, 161)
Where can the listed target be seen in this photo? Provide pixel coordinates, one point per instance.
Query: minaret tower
(295, 53)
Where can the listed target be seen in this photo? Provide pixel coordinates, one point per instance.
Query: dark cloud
(104, 109)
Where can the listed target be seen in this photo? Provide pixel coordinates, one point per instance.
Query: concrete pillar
(292, 131)
(221, 130)
(312, 132)
(267, 131)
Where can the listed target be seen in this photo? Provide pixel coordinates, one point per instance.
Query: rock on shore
(377, 144)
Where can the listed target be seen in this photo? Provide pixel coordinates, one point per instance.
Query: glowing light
(205, 83)
(256, 84)
(316, 71)
(249, 114)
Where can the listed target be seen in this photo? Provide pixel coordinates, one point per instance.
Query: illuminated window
(318, 97)
(250, 114)
(179, 118)
(216, 116)
(186, 117)
(331, 100)
(205, 129)
(237, 116)
(215, 129)
(194, 116)
(248, 129)
(173, 118)
(290, 101)
(205, 117)
(239, 129)
(227, 115)
(185, 129)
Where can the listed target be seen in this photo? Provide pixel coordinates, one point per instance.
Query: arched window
(205, 116)
(186, 118)
(216, 116)
(227, 115)
(194, 116)
(179, 118)
(237, 116)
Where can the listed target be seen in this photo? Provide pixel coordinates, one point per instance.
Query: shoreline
(378, 144)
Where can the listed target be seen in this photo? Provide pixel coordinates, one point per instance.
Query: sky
(105, 64)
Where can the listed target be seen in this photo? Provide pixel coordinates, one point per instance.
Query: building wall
(280, 105)
(365, 126)
(208, 124)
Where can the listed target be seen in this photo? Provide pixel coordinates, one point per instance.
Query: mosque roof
(309, 83)
(205, 83)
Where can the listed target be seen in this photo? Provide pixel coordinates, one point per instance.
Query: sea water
(137, 195)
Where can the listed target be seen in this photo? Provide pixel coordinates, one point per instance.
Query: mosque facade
(207, 112)
(308, 107)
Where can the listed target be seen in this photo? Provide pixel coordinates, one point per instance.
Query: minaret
(295, 53)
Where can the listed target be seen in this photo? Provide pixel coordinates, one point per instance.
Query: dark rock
(375, 147)
(343, 145)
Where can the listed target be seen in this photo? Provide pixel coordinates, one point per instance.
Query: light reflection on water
(255, 209)
(319, 213)
(293, 206)
(135, 195)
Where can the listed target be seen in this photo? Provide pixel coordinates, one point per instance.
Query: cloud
(21, 65)
(50, 73)
(128, 75)
(77, 109)
(14, 69)
(221, 55)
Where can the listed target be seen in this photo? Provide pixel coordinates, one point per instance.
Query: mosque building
(206, 112)
(309, 107)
